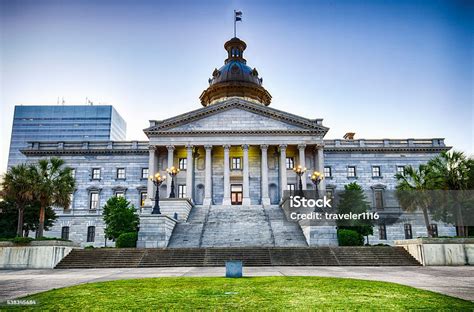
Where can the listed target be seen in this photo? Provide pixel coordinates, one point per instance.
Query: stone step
(258, 256)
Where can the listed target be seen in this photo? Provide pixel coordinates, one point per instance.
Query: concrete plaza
(453, 281)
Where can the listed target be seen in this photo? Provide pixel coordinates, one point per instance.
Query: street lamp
(316, 177)
(299, 170)
(157, 180)
(173, 171)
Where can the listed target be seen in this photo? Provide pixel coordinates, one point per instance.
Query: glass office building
(63, 123)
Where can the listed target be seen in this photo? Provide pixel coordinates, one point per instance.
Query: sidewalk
(453, 281)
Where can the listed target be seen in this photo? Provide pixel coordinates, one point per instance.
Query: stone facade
(204, 139)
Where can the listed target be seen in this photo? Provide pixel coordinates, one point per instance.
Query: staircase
(285, 233)
(270, 256)
(237, 226)
(189, 234)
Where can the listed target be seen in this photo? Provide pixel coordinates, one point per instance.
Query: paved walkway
(453, 281)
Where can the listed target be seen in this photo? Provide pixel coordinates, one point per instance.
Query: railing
(88, 145)
(436, 142)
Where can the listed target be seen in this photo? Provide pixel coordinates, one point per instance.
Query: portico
(212, 170)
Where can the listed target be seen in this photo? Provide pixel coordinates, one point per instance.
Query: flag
(238, 16)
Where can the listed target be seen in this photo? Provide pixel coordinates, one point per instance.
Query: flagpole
(235, 22)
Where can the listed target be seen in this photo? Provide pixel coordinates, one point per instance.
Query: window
(408, 232)
(145, 173)
(120, 194)
(94, 201)
(65, 232)
(236, 163)
(382, 231)
(351, 172)
(290, 162)
(96, 174)
(90, 234)
(121, 173)
(378, 198)
(376, 172)
(330, 193)
(182, 164)
(142, 198)
(290, 187)
(73, 173)
(401, 170)
(71, 201)
(181, 191)
(327, 172)
(434, 230)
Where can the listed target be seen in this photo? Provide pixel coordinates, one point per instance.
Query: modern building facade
(63, 123)
(236, 156)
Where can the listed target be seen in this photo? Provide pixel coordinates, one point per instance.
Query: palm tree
(413, 191)
(17, 188)
(454, 172)
(53, 184)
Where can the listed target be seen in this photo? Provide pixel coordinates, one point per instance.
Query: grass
(251, 294)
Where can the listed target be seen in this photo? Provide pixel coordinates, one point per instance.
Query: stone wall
(440, 251)
(155, 231)
(38, 255)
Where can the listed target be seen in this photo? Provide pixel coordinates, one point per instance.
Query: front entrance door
(236, 194)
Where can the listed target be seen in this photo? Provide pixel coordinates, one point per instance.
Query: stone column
(169, 164)
(283, 181)
(151, 171)
(301, 148)
(245, 176)
(226, 200)
(208, 179)
(265, 197)
(320, 165)
(189, 172)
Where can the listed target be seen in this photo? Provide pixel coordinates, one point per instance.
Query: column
(283, 181)
(208, 179)
(226, 200)
(245, 176)
(189, 172)
(320, 165)
(151, 171)
(265, 197)
(169, 164)
(301, 148)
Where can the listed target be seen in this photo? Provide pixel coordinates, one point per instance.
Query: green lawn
(253, 294)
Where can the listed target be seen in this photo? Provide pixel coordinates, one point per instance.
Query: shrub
(89, 247)
(127, 240)
(22, 240)
(349, 238)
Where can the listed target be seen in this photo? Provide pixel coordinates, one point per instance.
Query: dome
(235, 79)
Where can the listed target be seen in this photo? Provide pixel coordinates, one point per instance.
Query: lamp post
(316, 177)
(299, 170)
(157, 180)
(173, 171)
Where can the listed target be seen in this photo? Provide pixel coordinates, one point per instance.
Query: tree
(32, 213)
(17, 188)
(414, 191)
(8, 219)
(9, 216)
(453, 171)
(53, 184)
(119, 217)
(353, 199)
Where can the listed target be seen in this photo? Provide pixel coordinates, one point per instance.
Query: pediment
(236, 116)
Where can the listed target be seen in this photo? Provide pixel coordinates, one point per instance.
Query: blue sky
(382, 69)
